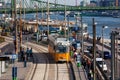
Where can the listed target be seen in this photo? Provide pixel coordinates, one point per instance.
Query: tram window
(61, 49)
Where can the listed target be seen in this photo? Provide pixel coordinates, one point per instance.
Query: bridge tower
(116, 3)
(76, 3)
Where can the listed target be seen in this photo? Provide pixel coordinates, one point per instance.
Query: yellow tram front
(62, 53)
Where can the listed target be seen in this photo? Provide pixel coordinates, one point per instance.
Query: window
(61, 49)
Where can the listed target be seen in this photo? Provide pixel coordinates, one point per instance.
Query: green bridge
(30, 6)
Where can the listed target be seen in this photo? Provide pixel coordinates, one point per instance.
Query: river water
(101, 21)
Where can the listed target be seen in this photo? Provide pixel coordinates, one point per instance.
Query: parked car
(101, 64)
(34, 36)
(107, 54)
(44, 37)
(90, 49)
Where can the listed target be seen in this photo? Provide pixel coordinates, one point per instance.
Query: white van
(101, 63)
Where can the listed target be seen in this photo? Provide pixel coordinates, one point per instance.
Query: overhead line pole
(48, 16)
(82, 36)
(20, 24)
(24, 13)
(116, 58)
(15, 25)
(12, 12)
(113, 56)
(65, 18)
(94, 50)
(12, 8)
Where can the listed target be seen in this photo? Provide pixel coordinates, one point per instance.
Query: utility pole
(20, 24)
(65, 18)
(82, 36)
(5, 9)
(94, 50)
(113, 55)
(68, 28)
(116, 57)
(12, 12)
(24, 13)
(12, 7)
(102, 45)
(48, 16)
(37, 22)
(37, 17)
(15, 25)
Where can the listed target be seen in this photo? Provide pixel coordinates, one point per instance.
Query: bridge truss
(30, 6)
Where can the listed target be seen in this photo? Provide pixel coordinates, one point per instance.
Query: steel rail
(39, 49)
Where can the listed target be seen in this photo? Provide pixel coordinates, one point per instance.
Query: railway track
(44, 66)
(41, 62)
(52, 71)
(63, 71)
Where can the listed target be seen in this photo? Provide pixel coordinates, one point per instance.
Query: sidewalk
(21, 71)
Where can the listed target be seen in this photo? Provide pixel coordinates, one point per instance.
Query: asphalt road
(108, 61)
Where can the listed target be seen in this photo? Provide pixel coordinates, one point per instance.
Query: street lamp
(103, 27)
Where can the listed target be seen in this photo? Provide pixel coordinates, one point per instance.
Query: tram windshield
(61, 49)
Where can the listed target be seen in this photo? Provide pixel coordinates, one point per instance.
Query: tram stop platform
(22, 71)
(80, 73)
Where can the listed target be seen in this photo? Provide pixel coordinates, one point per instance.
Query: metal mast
(48, 16)
(94, 49)
(82, 38)
(20, 24)
(65, 18)
(113, 56)
(15, 25)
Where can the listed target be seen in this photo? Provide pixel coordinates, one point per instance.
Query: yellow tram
(58, 47)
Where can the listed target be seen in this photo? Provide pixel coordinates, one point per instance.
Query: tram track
(50, 70)
(56, 70)
(65, 71)
(41, 62)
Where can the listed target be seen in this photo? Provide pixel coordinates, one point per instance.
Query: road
(108, 61)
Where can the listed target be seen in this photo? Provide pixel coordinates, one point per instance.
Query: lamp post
(103, 27)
